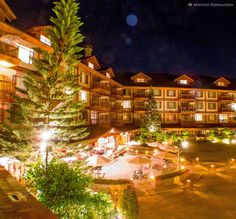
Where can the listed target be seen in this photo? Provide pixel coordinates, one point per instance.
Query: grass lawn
(208, 151)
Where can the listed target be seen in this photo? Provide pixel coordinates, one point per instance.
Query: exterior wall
(109, 103)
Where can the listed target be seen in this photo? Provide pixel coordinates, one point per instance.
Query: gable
(92, 62)
(184, 80)
(108, 72)
(221, 82)
(140, 78)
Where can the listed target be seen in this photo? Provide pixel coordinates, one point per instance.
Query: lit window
(223, 117)
(211, 106)
(126, 104)
(212, 117)
(171, 105)
(83, 95)
(94, 117)
(171, 93)
(126, 117)
(221, 83)
(159, 105)
(157, 92)
(140, 80)
(198, 117)
(171, 117)
(25, 54)
(108, 75)
(199, 94)
(199, 105)
(45, 40)
(91, 65)
(183, 81)
(211, 94)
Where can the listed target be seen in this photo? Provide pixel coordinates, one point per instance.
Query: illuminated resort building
(117, 99)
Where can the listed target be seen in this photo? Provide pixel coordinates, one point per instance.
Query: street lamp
(46, 135)
(185, 145)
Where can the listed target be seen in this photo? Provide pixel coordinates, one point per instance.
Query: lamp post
(45, 138)
(184, 145)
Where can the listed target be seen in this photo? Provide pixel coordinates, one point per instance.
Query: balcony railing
(226, 97)
(226, 109)
(116, 93)
(187, 96)
(8, 50)
(140, 107)
(187, 109)
(7, 86)
(140, 95)
(101, 86)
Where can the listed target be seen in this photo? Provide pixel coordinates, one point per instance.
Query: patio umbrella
(139, 160)
(97, 160)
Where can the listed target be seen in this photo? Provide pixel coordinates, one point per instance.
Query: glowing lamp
(152, 176)
(164, 166)
(233, 106)
(152, 128)
(212, 165)
(46, 135)
(233, 141)
(182, 159)
(197, 158)
(226, 141)
(188, 180)
(232, 159)
(184, 144)
(182, 167)
(5, 64)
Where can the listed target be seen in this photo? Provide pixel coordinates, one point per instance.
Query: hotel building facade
(119, 99)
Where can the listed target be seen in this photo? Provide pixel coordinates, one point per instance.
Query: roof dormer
(184, 80)
(91, 62)
(140, 78)
(221, 82)
(108, 72)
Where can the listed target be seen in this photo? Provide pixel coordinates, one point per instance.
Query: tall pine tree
(151, 123)
(52, 90)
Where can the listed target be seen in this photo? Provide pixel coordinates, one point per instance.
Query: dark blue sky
(162, 36)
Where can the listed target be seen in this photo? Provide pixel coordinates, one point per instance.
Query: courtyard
(207, 191)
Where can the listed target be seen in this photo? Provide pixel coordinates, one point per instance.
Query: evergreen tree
(151, 123)
(50, 103)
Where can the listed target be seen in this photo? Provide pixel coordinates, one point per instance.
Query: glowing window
(171, 93)
(223, 117)
(126, 104)
(108, 75)
(183, 81)
(211, 106)
(211, 94)
(83, 95)
(45, 40)
(157, 92)
(140, 80)
(171, 105)
(198, 117)
(91, 65)
(212, 117)
(221, 83)
(25, 54)
(199, 94)
(94, 117)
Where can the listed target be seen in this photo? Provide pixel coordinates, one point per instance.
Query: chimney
(88, 50)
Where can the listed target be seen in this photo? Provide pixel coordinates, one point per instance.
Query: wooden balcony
(187, 96)
(187, 109)
(103, 88)
(140, 107)
(117, 93)
(140, 95)
(6, 89)
(9, 50)
(226, 97)
(226, 109)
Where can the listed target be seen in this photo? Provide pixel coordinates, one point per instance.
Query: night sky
(165, 36)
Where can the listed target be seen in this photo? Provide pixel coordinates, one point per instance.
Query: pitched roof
(140, 74)
(168, 80)
(17, 202)
(184, 76)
